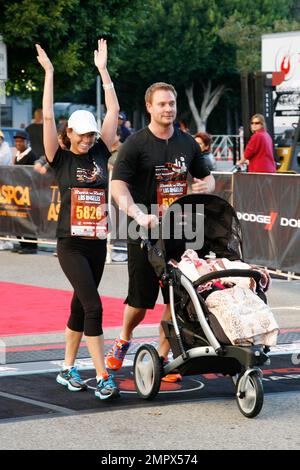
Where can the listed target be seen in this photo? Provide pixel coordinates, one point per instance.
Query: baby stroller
(197, 342)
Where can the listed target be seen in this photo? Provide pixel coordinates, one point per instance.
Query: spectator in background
(35, 131)
(24, 156)
(5, 152)
(129, 127)
(205, 140)
(5, 159)
(114, 151)
(123, 130)
(62, 122)
(183, 126)
(259, 153)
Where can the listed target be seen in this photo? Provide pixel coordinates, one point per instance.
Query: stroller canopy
(210, 214)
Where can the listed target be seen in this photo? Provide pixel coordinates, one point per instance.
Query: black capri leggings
(82, 261)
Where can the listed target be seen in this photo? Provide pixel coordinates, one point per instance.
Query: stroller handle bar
(228, 273)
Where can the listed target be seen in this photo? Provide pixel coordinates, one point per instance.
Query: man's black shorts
(143, 283)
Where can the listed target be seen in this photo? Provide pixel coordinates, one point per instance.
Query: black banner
(268, 208)
(29, 202)
(223, 186)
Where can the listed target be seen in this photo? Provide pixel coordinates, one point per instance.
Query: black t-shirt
(143, 151)
(35, 132)
(78, 171)
(28, 159)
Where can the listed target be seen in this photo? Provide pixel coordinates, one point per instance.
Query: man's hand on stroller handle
(146, 220)
(200, 186)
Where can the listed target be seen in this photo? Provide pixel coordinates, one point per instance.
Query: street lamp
(3, 72)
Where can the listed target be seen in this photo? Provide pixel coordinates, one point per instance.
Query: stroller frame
(199, 352)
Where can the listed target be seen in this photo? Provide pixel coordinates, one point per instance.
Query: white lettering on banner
(295, 223)
(259, 218)
(266, 219)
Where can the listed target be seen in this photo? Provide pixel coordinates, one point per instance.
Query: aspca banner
(268, 208)
(29, 202)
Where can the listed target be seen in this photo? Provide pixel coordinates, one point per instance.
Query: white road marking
(285, 308)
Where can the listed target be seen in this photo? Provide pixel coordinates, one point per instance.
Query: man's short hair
(158, 86)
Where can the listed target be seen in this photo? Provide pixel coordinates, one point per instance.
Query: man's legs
(164, 345)
(142, 294)
(142, 291)
(163, 348)
(132, 317)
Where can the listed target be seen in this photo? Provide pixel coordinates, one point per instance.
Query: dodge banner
(268, 208)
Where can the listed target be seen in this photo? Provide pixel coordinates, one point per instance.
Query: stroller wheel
(147, 369)
(249, 394)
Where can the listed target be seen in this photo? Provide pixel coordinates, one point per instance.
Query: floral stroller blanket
(244, 317)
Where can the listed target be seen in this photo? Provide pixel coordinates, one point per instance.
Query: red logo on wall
(273, 217)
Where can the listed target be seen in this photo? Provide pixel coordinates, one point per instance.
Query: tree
(68, 30)
(201, 47)
(244, 27)
(209, 101)
(178, 42)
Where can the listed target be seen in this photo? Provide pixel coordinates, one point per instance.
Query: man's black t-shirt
(143, 151)
(78, 171)
(35, 132)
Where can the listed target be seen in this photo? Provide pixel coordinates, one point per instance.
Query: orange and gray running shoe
(171, 378)
(115, 357)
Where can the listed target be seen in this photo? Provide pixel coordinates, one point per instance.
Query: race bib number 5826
(88, 215)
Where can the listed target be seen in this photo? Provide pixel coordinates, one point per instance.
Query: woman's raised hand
(100, 55)
(44, 59)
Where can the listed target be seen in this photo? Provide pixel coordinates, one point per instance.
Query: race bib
(171, 184)
(88, 214)
(167, 193)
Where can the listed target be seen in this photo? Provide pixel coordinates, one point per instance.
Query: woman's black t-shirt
(78, 171)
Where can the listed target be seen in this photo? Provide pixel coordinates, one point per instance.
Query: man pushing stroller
(152, 151)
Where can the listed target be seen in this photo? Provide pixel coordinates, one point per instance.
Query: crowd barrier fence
(267, 206)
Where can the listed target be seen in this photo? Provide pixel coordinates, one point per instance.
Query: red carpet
(29, 309)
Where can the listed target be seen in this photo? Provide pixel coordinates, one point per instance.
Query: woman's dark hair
(206, 138)
(62, 132)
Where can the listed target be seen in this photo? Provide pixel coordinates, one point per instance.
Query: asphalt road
(205, 424)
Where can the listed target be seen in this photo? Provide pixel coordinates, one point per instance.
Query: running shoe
(115, 357)
(171, 378)
(107, 388)
(71, 378)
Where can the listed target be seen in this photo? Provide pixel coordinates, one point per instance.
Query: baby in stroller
(220, 319)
